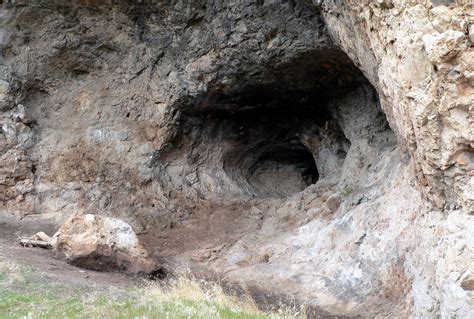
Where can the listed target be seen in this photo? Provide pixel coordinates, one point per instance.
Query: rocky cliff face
(322, 150)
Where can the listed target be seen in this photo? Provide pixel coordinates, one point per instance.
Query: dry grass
(23, 294)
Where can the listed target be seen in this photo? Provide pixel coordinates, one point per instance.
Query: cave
(282, 168)
(273, 134)
(265, 153)
(246, 141)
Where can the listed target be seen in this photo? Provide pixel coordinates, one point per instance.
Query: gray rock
(329, 119)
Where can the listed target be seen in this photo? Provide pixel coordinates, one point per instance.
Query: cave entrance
(264, 150)
(268, 150)
(271, 133)
(282, 169)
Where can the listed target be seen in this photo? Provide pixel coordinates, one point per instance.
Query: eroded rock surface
(102, 243)
(318, 149)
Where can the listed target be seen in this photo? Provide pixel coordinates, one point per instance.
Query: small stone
(468, 283)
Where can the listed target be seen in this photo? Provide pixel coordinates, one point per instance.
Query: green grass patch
(24, 294)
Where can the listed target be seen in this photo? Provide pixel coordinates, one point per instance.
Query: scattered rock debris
(39, 239)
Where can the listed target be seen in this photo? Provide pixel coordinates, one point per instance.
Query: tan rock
(103, 244)
(443, 46)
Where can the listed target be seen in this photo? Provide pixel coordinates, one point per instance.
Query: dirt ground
(210, 225)
(183, 240)
(43, 260)
(201, 239)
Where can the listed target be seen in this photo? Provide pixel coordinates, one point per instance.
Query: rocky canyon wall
(320, 150)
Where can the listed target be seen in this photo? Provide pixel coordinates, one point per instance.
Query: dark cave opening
(272, 133)
(283, 169)
(259, 151)
(292, 154)
(267, 156)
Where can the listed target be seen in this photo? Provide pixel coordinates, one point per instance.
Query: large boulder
(102, 243)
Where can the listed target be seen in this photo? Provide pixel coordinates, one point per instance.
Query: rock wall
(319, 150)
(419, 57)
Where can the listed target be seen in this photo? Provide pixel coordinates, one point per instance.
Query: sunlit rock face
(318, 150)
